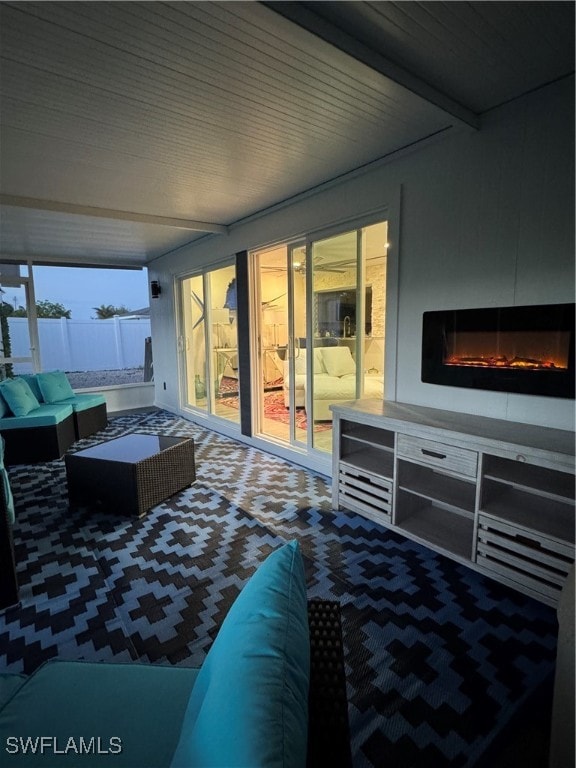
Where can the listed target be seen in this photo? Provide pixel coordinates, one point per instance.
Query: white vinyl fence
(82, 345)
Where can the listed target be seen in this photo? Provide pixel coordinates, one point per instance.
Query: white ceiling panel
(212, 111)
(62, 238)
(481, 54)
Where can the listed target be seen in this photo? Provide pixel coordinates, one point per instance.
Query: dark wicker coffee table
(130, 474)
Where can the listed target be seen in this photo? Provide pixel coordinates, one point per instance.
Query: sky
(81, 289)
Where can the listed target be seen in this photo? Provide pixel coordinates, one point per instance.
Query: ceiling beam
(305, 17)
(78, 260)
(110, 213)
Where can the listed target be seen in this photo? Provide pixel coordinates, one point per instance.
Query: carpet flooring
(439, 660)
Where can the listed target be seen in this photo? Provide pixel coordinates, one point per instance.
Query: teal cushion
(3, 407)
(8, 498)
(46, 415)
(249, 706)
(54, 386)
(19, 396)
(9, 683)
(32, 381)
(85, 402)
(133, 711)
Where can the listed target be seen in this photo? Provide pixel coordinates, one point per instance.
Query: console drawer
(364, 492)
(436, 454)
(523, 556)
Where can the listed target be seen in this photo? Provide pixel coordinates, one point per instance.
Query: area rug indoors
(275, 409)
(439, 660)
(227, 386)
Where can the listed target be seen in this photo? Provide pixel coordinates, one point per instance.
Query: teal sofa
(41, 416)
(245, 707)
(8, 578)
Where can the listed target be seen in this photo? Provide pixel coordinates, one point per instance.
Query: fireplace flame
(501, 361)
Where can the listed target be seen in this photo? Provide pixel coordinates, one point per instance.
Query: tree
(106, 311)
(45, 308)
(5, 311)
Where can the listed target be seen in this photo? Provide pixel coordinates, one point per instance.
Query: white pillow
(338, 361)
(300, 361)
(319, 366)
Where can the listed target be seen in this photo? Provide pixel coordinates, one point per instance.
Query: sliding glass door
(319, 322)
(349, 310)
(280, 323)
(208, 343)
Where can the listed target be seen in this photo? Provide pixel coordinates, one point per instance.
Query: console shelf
(438, 527)
(492, 494)
(551, 518)
(436, 486)
(534, 479)
(380, 461)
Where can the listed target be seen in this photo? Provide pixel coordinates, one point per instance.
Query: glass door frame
(391, 214)
(291, 346)
(312, 238)
(358, 225)
(256, 343)
(183, 341)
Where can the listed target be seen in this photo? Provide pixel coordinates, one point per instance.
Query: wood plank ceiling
(131, 128)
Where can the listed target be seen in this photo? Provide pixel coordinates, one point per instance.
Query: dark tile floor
(439, 660)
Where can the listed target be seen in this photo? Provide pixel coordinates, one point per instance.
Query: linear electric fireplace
(528, 350)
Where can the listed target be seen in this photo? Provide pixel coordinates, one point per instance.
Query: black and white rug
(438, 658)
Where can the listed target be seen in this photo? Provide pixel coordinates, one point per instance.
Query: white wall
(126, 397)
(487, 219)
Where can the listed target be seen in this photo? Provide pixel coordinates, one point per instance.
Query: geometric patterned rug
(439, 659)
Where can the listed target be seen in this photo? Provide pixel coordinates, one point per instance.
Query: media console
(495, 495)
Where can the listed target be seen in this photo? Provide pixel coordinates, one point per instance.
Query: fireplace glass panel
(526, 350)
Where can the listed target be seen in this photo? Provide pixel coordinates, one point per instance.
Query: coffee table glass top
(130, 449)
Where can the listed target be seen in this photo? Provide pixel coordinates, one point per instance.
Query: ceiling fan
(320, 266)
(270, 303)
(340, 266)
(300, 267)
